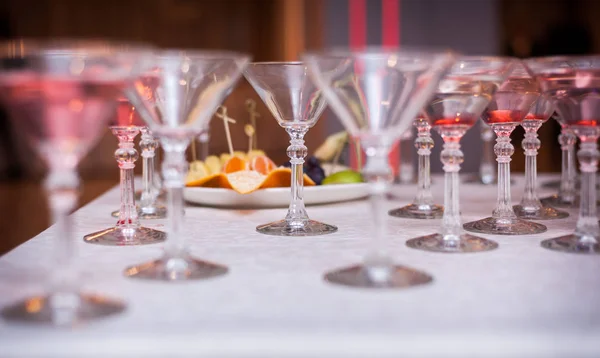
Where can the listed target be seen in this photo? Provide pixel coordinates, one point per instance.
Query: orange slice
(235, 164)
(262, 164)
(247, 181)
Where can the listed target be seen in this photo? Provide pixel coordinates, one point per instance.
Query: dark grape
(313, 162)
(286, 164)
(317, 174)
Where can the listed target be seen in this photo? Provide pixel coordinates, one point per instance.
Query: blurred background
(272, 30)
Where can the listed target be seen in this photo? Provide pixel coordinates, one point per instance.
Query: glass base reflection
(361, 276)
(176, 269)
(62, 310)
(467, 243)
(414, 211)
(118, 237)
(157, 212)
(494, 226)
(545, 213)
(573, 244)
(306, 228)
(558, 202)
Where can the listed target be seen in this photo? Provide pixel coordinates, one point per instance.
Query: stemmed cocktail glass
(530, 207)
(574, 85)
(460, 98)
(508, 108)
(61, 95)
(296, 103)
(567, 193)
(376, 94)
(128, 230)
(422, 206)
(187, 87)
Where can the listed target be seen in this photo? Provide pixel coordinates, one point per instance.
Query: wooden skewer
(194, 149)
(222, 113)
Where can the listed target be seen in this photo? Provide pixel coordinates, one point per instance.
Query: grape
(313, 162)
(317, 174)
(286, 164)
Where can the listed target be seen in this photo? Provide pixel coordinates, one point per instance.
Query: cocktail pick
(222, 113)
(249, 130)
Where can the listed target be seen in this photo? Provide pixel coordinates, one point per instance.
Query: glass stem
(297, 151)
(531, 144)
(587, 224)
(567, 140)
(424, 144)
(452, 157)
(379, 175)
(406, 169)
(174, 170)
(487, 169)
(62, 188)
(504, 150)
(126, 155)
(148, 145)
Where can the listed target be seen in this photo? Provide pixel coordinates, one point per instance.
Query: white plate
(274, 197)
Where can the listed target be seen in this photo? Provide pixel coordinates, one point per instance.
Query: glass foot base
(176, 269)
(115, 237)
(572, 243)
(159, 212)
(358, 276)
(545, 213)
(413, 211)
(283, 228)
(156, 212)
(436, 243)
(558, 202)
(509, 227)
(77, 309)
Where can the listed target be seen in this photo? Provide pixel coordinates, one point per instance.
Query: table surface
(517, 301)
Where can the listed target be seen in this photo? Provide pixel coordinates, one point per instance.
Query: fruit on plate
(332, 146)
(235, 164)
(344, 177)
(313, 169)
(247, 181)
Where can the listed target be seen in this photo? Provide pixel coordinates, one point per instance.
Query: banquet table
(519, 300)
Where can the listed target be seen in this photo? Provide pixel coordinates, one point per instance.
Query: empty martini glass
(296, 103)
(422, 206)
(187, 87)
(128, 230)
(574, 85)
(61, 95)
(376, 94)
(460, 98)
(506, 111)
(530, 207)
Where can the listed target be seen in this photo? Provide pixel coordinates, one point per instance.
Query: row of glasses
(376, 94)
(128, 230)
(460, 98)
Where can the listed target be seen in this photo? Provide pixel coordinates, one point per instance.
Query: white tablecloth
(517, 301)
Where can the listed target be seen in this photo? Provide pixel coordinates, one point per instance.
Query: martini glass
(61, 94)
(574, 85)
(567, 192)
(460, 99)
(376, 94)
(177, 99)
(506, 111)
(296, 104)
(422, 206)
(406, 169)
(530, 207)
(127, 231)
